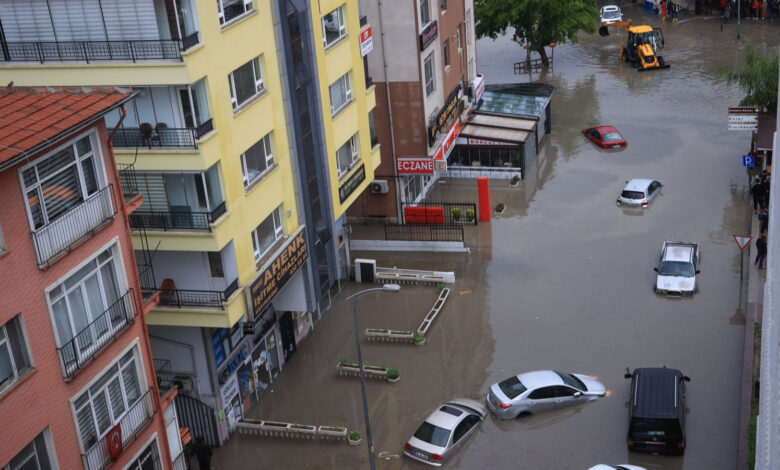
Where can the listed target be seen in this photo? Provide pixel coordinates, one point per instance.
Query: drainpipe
(390, 115)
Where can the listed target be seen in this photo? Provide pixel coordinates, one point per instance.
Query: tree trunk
(543, 54)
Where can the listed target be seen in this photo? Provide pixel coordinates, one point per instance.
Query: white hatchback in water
(639, 192)
(610, 14)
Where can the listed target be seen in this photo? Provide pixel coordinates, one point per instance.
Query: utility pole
(739, 16)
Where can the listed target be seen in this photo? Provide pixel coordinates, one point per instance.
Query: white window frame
(425, 11)
(23, 343)
(3, 246)
(257, 72)
(354, 155)
(460, 38)
(430, 82)
(94, 153)
(43, 440)
(248, 6)
(446, 53)
(278, 233)
(154, 444)
(347, 87)
(267, 145)
(342, 25)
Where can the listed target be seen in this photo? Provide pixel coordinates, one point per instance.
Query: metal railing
(92, 51)
(454, 213)
(173, 137)
(148, 283)
(63, 233)
(162, 368)
(191, 40)
(437, 233)
(180, 462)
(199, 417)
(127, 180)
(197, 298)
(95, 336)
(132, 423)
(169, 220)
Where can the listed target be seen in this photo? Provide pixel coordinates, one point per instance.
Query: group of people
(666, 8)
(760, 193)
(755, 9)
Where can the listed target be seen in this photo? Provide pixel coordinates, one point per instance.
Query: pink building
(78, 386)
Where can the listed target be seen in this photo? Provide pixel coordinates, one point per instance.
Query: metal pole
(741, 269)
(369, 438)
(739, 16)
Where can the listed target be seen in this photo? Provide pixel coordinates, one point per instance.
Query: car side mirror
(655, 269)
(627, 375)
(686, 378)
(577, 394)
(698, 271)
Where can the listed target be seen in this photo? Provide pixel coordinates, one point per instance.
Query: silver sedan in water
(541, 390)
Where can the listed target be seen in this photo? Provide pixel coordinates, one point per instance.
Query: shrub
(440, 287)
(456, 213)
(470, 215)
(354, 436)
(418, 338)
(393, 374)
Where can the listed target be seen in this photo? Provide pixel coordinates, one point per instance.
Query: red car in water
(606, 137)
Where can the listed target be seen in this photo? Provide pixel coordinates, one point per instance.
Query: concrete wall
(397, 35)
(184, 347)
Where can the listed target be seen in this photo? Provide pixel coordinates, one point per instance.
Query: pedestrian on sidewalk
(756, 9)
(203, 453)
(709, 7)
(663, 10)
(765, 186)
(726, 13)
(763, 218)
(675, 12)
(764, 10)
(756, 191)
(761, 248)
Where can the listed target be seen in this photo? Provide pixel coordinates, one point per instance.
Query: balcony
(89, 341)
(92, 51)
(175, 220)
(132, 423)
(127, 180)
(161, 136)
(180, 298)
(81, 221)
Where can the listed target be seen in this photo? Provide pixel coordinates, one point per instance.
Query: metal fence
(91, 51)
(169, 220)
(173, 137)
(162, 368)
(199, 417)
(454, 213)
(127, 180)
(428, 233)
(197, 298)
(95, 336)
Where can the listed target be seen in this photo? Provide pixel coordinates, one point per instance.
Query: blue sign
(748, 161)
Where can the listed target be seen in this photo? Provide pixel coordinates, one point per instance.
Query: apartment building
(424, 69)
(250, 137)
(78, 385)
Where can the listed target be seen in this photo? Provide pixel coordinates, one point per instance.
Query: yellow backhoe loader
(640, 46)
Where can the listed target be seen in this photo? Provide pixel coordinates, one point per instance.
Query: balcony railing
(128, 180)
(63, 233)
(180, 462)
(132, 423)
(171, 220)
(92, 51)
(197, 298)
(162, 368)
(132, 137)
(89, 341)
(148, 283)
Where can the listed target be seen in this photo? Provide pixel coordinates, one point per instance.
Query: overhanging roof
(767, 123)
(495, 133)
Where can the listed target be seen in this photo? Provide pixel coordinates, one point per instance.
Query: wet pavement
(562, 279)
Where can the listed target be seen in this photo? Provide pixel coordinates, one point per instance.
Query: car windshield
(609, 14)
(632, 195)
(512, 387)
(676, 268)
(432, 434)
(572, 381)
(655, 426)
(612, 136)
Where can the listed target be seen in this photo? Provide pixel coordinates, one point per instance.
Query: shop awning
(767, 123)
(503, 129)
(514, 136)
(501, 121)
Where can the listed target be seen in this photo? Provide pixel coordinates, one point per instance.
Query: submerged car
(610, 14)
(677, 269)
(444, 431)
(606, 137)
(624, 466)
(541, 390)
(639, 192)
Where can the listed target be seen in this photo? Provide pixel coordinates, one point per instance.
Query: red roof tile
(30, 116)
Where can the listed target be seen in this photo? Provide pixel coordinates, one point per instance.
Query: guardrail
(127, 179)
(450, 213)
(419, 232)
(132, 137)
(197, 298)
(92, 51)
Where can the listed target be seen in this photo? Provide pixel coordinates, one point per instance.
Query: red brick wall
(448, 27)
(41, 399)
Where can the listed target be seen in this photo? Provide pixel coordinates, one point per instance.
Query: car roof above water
(638, 184)
(540, 378)
(656, 392)
(678, 253)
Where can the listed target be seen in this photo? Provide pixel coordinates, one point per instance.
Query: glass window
(229, 10)
(571, 380)
(246, 82)
(148, 460)
(215, 264)
(460, 44)
(266, 234)
(257, 159)
(432, 434)
(429, 75)
(340, 93)
(3, 246)
(512, 387)
(425, 13)
(334, 26)
(35, 456)
(372, 128)
(446, 50)
(195, 104)
(15, 357)
(443, 6)
(347, 156)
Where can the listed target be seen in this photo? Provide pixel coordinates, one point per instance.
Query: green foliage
(440, 287)
(456, 213)
(393, 374)
(418, 338)
(758, 77)
(470, 215)
(354, 436)
(536, 22)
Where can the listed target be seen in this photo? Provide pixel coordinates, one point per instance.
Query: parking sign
(748, 161)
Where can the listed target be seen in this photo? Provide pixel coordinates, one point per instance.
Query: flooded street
(561, 280)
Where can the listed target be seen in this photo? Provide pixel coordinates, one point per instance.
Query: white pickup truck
(677, 269)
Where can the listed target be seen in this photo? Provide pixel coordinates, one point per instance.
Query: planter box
(332, 432)
(369, 371)
(433, 312)
(377, 334)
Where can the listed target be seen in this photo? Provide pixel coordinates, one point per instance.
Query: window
(106, 402)
(443, 6)
(195, 104)
(228, 10)
(148, 460)
(542, 393)
(334, 26)
(340, 93)
(460, 44)
(246, 82)
(446, 49)
(266, 234)
(429, 75)
(15, 358)
(35, 456)
(425, 13)
(347, 156)
(372, 129)
(58, 183)
(215, 264)
(257, 159)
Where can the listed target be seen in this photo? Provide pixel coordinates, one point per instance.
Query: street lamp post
(369, 438)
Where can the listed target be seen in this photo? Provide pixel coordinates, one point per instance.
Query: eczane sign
(408, 165)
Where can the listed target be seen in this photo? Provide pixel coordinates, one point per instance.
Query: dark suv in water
(656, 422)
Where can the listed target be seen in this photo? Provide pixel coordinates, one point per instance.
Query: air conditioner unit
(186, 384)
(379, 187)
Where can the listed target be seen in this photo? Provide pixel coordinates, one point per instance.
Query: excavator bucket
(603, 30)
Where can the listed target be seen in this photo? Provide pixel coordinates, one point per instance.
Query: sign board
(441, 165)
(743, 118)
(430, 33)
(278, 272)
(366, 42)
(352, 183)
(748, 161)
(471, 141)
(449, 142)
(411, 165)
(231, 402)
(743, 126)
(743, 109)
(479, 87)
(742, 241)
(443, 119)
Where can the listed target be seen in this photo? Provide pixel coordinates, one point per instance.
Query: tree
(758, 77)
(536, 22)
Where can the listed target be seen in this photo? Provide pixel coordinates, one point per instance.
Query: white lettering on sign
(486, 142)
(366, 41)
(743, 126)
(736, 118)
(415, 165)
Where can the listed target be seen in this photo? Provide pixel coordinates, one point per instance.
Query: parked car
(656, 420)
(541, 390)
(624, 466)
(606, 137)
(677, 269)
(639, 192)
(610, 14)
(445, 431)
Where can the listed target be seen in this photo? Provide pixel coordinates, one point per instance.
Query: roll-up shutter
(26, 20)
(130, 20)
(77, 20)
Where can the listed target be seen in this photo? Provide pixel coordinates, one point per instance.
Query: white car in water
(610, 14)
(677, 269)
(639, 192)
(624, 466)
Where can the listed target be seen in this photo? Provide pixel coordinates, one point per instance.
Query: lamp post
(369, 439)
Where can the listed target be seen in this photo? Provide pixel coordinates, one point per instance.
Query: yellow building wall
(332, 64)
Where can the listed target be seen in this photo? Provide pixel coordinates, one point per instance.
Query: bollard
(485, 210)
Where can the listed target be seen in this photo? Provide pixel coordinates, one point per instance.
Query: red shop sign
(407, 165)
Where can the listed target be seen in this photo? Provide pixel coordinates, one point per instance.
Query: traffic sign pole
(742, 242)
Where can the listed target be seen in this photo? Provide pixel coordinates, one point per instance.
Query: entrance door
(287, 329)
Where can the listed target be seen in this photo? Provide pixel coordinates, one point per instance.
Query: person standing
(756, 8)
(764, 10)
(203, 453)
(761, 249)
(763, 217)
(675, 12)
(756, 193)
(663, 10)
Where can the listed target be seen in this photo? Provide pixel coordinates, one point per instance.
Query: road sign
(743, 118)
(743, 109)
(748, 161)
(743, 126)
(552, 44)
(742, 241)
